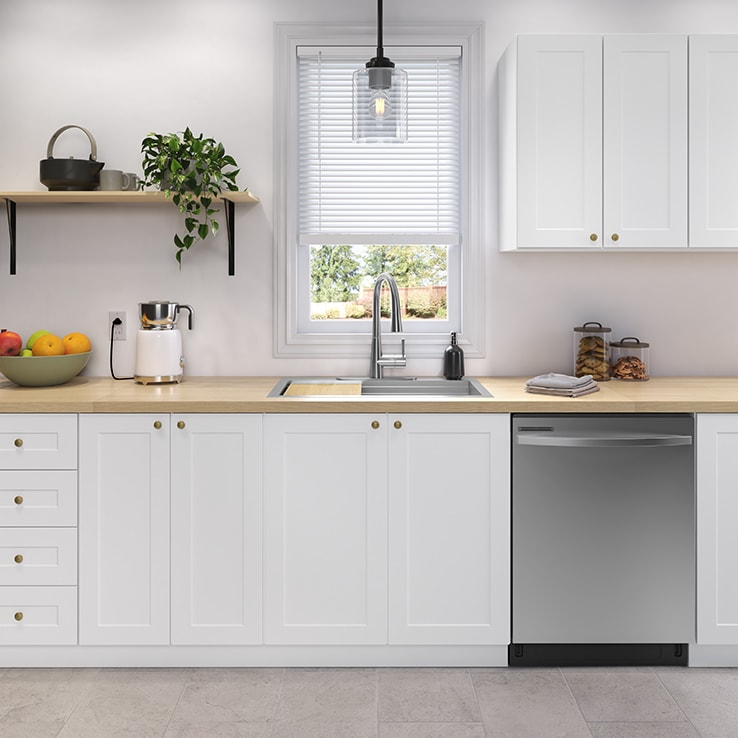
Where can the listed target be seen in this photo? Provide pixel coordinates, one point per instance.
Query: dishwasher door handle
(601, 440)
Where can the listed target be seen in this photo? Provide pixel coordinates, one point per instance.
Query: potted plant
(193, 171)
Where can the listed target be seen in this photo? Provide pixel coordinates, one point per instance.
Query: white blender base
(159, 357)
(158, 380)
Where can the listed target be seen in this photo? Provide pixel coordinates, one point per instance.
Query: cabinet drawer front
(38, 616)
(38, 498)
(38, 441)
(38, 556)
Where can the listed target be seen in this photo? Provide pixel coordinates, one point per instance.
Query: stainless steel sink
(353, 387)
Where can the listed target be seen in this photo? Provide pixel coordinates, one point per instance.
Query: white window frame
(289, 340)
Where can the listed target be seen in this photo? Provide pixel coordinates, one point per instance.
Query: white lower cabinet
(387, 529)
(717, 523)
(216, 529)
(142, 476)
(325, 516)
(124, 529)
(449, 529)
(38, 529)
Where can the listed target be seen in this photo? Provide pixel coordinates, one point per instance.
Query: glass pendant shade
(380, 105)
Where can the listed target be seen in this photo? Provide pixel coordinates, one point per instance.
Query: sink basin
(353, 387)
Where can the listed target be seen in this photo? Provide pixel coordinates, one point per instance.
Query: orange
(48, 345)
(76, 343)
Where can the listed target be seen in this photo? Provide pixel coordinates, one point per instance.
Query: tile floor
(369, 703)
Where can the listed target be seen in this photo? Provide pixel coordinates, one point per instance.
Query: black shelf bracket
(12, 232)
(230, 215)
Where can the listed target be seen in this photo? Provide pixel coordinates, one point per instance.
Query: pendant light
(380, 98)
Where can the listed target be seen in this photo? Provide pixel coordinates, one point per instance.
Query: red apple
(10, 343)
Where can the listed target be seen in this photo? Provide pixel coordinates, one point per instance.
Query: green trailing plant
(192, 171)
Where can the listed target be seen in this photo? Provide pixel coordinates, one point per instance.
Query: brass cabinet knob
(18, 558)
(180, 424)
(18, 500)
(615, 237)
(375, 424)
(592, 236)
(18, 442)
(157, 424)
(18, 616)
(397, 424)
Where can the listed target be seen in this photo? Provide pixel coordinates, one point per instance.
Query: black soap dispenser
(453, 360)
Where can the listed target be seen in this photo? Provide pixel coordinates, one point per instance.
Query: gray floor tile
(431, 730)
(127, 703)
(427, 695)
(708, 697)
(178, 729)
(643, 730)
(622, 696)
(229, 695)
(36, 702)
(528, 703)
(327, 703)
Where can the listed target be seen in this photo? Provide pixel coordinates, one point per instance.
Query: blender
(159, 358)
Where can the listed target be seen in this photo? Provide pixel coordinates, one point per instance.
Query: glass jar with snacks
(592, 351)
(629, 359)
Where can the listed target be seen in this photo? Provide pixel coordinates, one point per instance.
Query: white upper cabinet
(713, 157)
(593, 142)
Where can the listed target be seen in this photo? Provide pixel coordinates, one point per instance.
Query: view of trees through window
(342, 280)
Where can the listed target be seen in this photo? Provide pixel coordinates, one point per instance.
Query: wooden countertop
(249, 395)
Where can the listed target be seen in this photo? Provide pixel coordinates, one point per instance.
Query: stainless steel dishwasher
(603, 541)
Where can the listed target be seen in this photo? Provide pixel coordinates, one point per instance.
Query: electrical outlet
(119, 331)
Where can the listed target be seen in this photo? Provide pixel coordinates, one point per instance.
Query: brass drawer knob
(157, 424)
(18, 500)
(615, 237)
(397, 424)
(18, 616)
(375, 424)
(18, 442)
(18, 558)
(180, 424)
(592, 236)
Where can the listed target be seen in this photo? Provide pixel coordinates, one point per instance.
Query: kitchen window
(348, 211)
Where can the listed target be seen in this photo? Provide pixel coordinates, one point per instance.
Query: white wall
(123, 68)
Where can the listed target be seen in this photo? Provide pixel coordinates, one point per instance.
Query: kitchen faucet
(378, 360)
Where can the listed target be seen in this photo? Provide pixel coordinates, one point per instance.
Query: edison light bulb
(379, 105)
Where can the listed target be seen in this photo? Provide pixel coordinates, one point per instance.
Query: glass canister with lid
(592, 351)
(629, 359)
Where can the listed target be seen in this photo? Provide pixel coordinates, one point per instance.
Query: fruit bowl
(43, 371)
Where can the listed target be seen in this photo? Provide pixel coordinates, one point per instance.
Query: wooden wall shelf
(229, 200)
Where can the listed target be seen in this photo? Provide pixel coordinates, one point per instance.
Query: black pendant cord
(380, 40)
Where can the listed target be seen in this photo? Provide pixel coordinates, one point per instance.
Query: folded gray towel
(575, 392)
(559, 381)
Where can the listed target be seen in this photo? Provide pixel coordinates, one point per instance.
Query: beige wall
(125, 68)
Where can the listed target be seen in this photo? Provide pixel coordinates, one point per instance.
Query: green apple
(32, 339)
(26, 352)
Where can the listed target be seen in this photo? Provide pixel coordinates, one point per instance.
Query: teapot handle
(52, 141)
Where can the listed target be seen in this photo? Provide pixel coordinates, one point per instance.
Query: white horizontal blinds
(405, 193)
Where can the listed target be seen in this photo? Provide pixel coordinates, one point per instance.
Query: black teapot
(71, 174)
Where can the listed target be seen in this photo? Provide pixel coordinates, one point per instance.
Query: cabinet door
(325, 529)
(216, 529)
(449, 535)
(717, 520)
(713, 122)
(645, 141)
(124, 529)
(559, 141)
